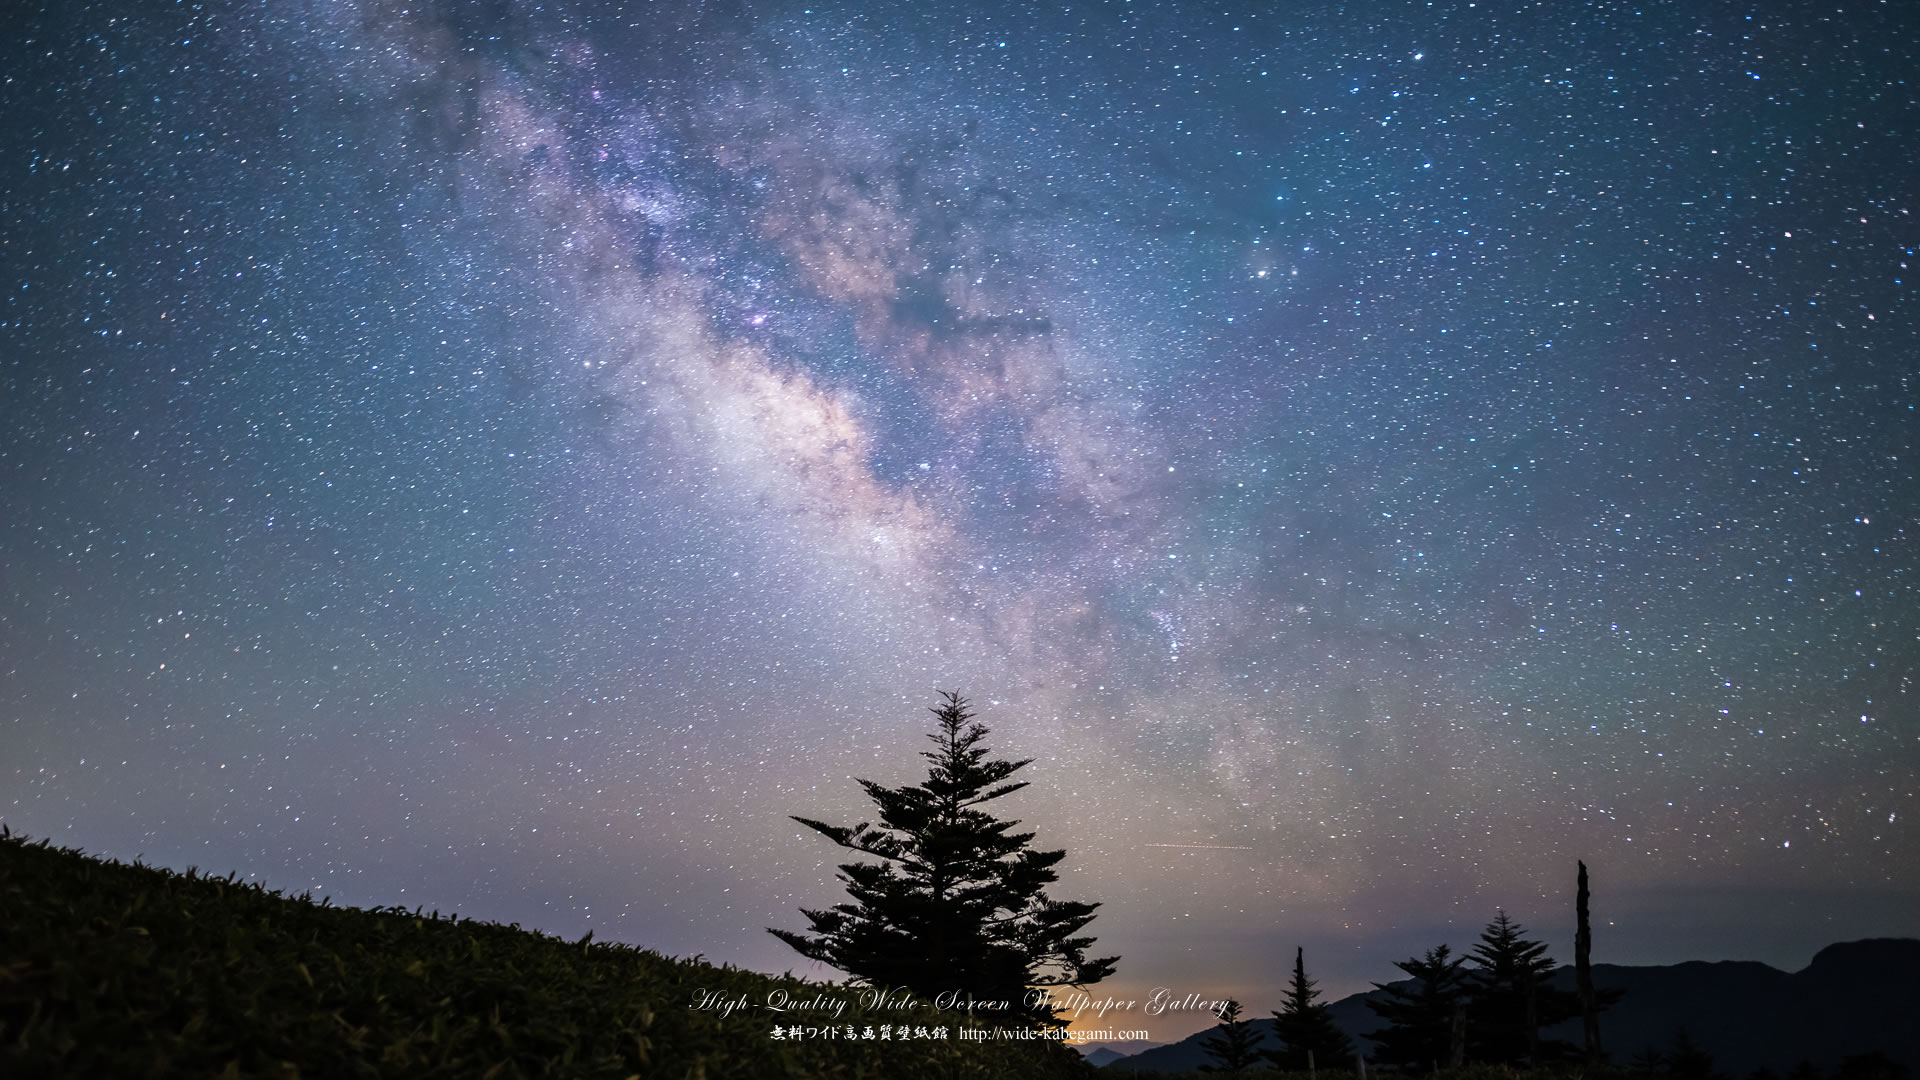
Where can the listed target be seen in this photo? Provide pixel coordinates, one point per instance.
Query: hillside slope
(115, 970)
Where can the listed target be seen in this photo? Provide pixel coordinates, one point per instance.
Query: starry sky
(507, 457)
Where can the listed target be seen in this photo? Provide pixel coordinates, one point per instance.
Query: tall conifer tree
(1232, 1046)
(1420, 1021)
(1512, 999)
(957, 902)
(1305, 1026)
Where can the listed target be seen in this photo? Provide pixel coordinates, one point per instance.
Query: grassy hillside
(126, 971)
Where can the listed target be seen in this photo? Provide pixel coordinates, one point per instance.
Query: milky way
(508, 457)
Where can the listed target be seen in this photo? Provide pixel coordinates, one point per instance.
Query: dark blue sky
(1369, 455)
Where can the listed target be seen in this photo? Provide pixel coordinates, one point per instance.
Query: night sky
(507, 457)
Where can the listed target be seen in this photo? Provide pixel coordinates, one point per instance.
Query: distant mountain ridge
(1106, 1053)
(1853, 998)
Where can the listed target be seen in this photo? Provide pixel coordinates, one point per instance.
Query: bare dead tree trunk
(1457, 1051)
(1533, 1017)
(1583, 970)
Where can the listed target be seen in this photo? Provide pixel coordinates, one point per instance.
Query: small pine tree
(1232, 1046)
(1420, 1021)
(1649, 1062)
(956, 904)
(1306, 1026)
(1512, 999)
(1687, 1061)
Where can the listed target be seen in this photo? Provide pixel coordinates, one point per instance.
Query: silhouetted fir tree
(1420, 1021)
(1805, 1070)
(1648, 1062)
(1687, 1061)
(956, 903)
(1511, 998)
(1232, 1044)
(1305, 1026)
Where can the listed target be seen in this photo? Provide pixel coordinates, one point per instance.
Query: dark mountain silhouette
(1106, 1053)
(1854, 998)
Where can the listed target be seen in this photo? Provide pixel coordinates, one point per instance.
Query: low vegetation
(108, 969)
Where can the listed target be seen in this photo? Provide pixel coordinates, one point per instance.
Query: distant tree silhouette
(1805, 1070)
(1687, 1061)
(1306, 1027)
(1232, 1044)
(957, 902)
(1422, 1022)
(1648, 1062)
(1872, 1065)
(1512, 999)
